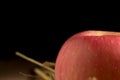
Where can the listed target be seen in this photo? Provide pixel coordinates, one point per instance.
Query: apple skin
(89, 55)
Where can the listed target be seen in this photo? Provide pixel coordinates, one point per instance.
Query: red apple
(89, 55)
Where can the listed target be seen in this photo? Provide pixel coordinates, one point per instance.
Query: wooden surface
(10, 69)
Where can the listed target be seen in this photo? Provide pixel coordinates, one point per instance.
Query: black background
(40, 33)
